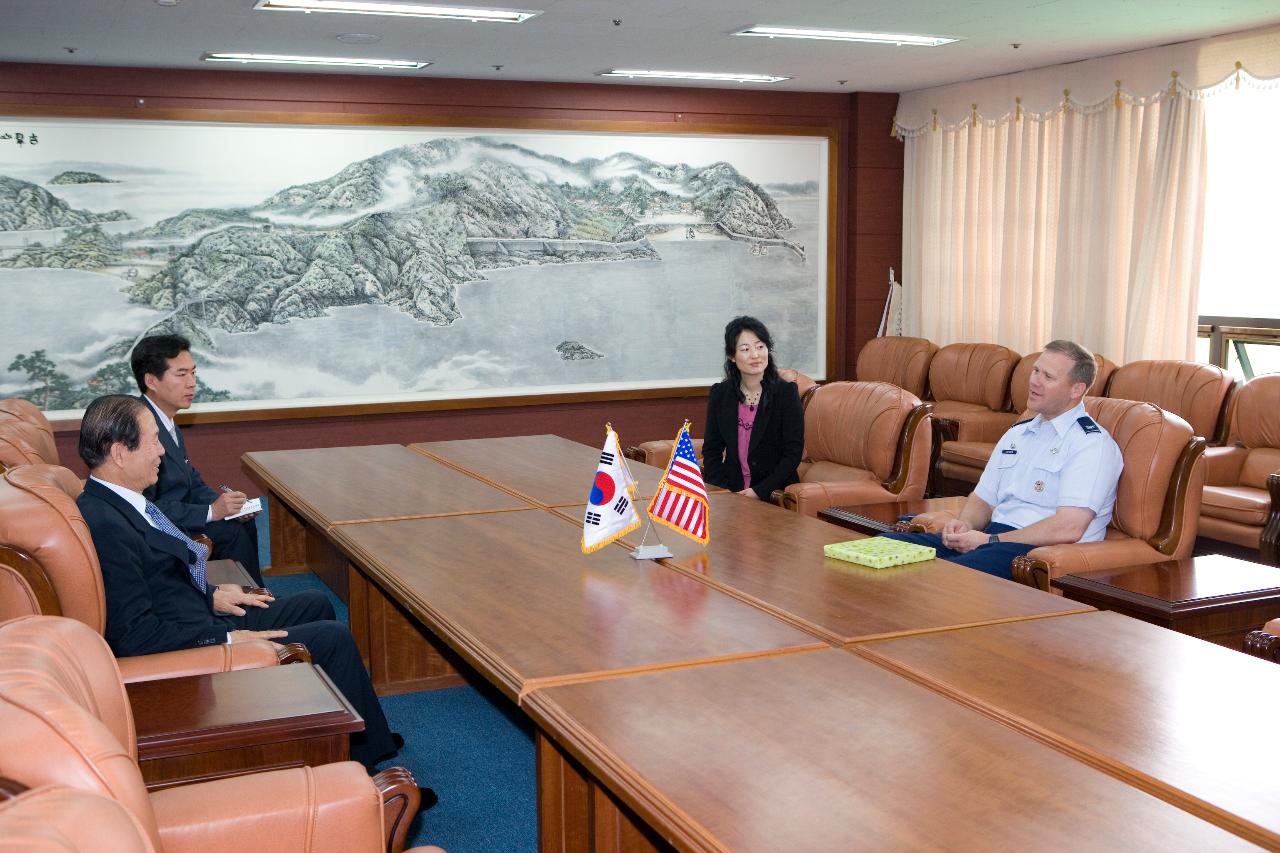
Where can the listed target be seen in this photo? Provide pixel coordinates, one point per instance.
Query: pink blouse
(746, 420)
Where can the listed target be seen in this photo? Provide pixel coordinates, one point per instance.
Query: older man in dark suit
(158, 598)
(166, 375)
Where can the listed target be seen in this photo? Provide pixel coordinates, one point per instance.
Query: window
(1240, 267)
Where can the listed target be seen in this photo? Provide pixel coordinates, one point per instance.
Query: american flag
(681, 501)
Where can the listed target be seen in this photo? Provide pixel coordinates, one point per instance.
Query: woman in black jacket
(752, 410)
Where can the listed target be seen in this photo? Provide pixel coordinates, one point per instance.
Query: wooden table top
(224, 710)
(773, 558)
(513, 593)
(1179, 585)
(547, 469)
(337, 485)
(1171, 713)
(825, 751)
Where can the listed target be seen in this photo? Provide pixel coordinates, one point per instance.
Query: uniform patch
(1087, 424)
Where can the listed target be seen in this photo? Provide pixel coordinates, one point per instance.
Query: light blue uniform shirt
(1040, 465)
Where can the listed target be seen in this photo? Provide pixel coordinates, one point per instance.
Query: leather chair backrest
(1192, 391)
(64, 715)
(973, 373)
(22, 443)
(56, 819)
(857, 424)
(1151, 441)
(1106, 367)
(38, 514)
(897, 360)
(1255, 424)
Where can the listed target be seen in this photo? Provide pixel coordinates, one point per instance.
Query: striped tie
(200, 552)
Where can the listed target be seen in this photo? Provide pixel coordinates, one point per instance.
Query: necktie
(200, 552)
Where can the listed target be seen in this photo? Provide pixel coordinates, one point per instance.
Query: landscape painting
(325, 265)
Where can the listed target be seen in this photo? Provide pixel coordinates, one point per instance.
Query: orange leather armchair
(65, 720)
(864, 442)
(48, 565)
(22, 443)
(1197, 393)
(15, 408)
(897, 360)
(970, 388)
(965, 460)
(1241, 501)
(1157, 498)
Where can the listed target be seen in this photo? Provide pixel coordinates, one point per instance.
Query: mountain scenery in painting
(455, 264)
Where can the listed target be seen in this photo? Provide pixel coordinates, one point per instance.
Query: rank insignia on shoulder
(1087, 424)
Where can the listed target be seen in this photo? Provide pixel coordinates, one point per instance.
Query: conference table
(752, 694)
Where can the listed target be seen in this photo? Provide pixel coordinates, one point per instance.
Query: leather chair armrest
(206, 659)
(334, 807)
(1039, 565)
(928, 522)
(808, 498)
(782, 498)
(1224, 465)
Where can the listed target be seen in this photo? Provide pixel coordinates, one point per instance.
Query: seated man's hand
(228, 503)
(954, 526)
(246, 636)
(964, 541)
(229, 598)
(749, 493)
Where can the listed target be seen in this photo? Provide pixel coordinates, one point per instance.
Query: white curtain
(1080, 223)
(1067, 201)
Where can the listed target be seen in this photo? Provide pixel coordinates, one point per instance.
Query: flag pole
(651, 552)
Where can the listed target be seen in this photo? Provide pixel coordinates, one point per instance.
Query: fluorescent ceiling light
(693, 75)
(411, 10)
(279, 59)
(845, 35)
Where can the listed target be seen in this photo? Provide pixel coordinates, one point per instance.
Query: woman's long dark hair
(736, 327)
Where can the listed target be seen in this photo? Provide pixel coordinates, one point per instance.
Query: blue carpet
(473, 746)
(476, 750)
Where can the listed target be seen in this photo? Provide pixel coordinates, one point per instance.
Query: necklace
(751, 398)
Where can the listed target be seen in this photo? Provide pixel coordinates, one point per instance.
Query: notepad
(251, 506)
(879, 552)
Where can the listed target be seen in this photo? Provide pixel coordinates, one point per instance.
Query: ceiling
(573, 40)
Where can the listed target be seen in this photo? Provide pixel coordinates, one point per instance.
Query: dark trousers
(308, 617)
(236, 540)
(995, 559)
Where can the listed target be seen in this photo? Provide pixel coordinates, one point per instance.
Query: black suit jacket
(180, 491)
(777, 439)
(153, 605)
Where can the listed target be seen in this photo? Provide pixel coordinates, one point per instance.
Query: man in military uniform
(1051, 479)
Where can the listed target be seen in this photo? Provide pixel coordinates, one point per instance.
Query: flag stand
(651, 552)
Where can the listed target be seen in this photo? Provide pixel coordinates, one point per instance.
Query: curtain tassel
(1117, 94)
(1066, 100)
(1173, 85)
(935, 119)
(1239, 65)
(1017, 109)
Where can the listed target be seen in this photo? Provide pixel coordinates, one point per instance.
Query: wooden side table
(1215, 598)
(202, 727)
(874, 519)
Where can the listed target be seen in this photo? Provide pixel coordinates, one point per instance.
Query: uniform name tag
(1009, 452)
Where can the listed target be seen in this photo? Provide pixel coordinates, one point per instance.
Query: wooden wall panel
(865, 156)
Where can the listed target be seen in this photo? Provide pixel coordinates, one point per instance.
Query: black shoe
(429, 798)
(398, 740)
